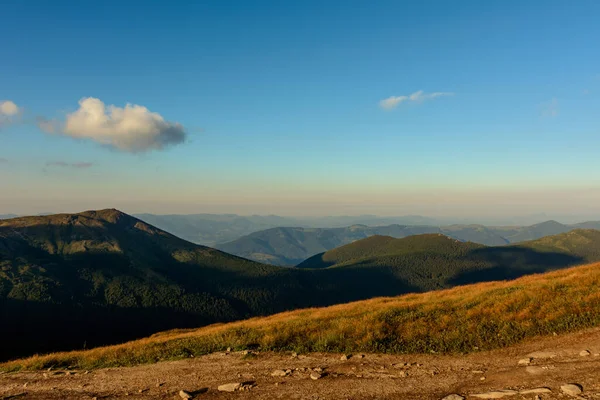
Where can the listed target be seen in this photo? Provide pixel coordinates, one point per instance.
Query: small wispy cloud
(48, 125)
(416, 97)
(3, 160)
(63, 164)
(550, 109)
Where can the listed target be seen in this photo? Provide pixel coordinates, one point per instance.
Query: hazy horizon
(499, 220)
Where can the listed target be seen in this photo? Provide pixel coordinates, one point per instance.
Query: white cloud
(416, 97)
(551, 108)
(8, 111)
(8, 108)
(132, 128)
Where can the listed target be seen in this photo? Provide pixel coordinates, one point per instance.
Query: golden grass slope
(463, 319)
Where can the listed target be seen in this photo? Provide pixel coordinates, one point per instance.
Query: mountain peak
(109, 215)
(550, 222)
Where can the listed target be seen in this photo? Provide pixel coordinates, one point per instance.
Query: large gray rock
(572, 389)
(230, 387)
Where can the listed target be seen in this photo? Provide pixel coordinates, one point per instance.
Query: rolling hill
(477, 262)
(290, 246)
(464, 319)
(104, 277)
(532, 232)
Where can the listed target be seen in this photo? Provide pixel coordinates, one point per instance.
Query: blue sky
(279, 102)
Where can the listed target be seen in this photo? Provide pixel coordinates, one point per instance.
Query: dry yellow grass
(462, 319)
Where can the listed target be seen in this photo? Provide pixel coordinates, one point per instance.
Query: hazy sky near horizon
(462, 108)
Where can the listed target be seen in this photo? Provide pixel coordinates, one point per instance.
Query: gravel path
(545, 364)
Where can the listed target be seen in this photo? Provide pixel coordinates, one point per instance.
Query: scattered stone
(279, 372)
(345, 357)
(541, 354)
(584, 353)
(525, 361)
(228, 350)
(318, 369)
(361, 356)
(477, 372)
(536, 390)
(315, 375)
(497, 394)
(572, 389)
(482, 378)
(185, 395)
(230, 387)
(294, 355)
(454, 396)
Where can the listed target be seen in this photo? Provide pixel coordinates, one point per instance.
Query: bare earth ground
(373, 376)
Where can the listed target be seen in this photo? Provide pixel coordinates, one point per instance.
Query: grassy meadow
(462, 319)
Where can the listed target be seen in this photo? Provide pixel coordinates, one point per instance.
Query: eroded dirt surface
(373, 376)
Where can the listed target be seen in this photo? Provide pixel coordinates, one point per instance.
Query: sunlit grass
(481, 316)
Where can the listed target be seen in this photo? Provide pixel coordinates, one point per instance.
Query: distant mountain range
(217, 229)
(105, 277)
(290, 246)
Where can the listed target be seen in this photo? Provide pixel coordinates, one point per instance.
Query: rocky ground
(560, 367)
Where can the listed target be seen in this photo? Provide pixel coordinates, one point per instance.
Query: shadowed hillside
(105, 277)
(463, 319)
(489, 263)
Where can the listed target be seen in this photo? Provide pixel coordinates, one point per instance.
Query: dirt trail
(373, 376)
